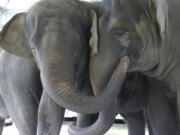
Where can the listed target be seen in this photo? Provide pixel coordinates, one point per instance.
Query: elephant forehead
(57, 12)
(131, 8)
(56, 8)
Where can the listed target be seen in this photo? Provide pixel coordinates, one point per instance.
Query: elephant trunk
(101, 126)
(59, 84)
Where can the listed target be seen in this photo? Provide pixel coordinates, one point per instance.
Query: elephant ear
(161, 14)
(94, 34)
(13, 38)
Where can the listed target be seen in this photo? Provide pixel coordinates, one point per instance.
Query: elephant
(20, 92)
(20, 85)
(124, 27)
(52, 34)
(148, 32)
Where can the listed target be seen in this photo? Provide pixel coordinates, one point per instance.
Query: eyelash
(120, 33)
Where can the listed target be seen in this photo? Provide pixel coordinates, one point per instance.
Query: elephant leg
(23, 109)
(150, 128)
(135, 122)
(148, 123)
(178, 107)
(161, 115)
(2, 120)
(50, 116)
(85, 120)
(3, 114)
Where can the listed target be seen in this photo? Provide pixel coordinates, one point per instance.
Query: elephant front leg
(2, 121)
(148, 121)
(135, 122)
(85, 120)
(178, 109)
(50, 116)
(160, 113)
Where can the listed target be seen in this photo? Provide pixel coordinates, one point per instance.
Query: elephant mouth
(154, 68)
(141, 65)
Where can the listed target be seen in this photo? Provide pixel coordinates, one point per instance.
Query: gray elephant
(121, 32)
(20, 92)
(54, 38)
(148, 32)
(126, 26)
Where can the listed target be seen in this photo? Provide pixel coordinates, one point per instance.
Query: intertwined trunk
(57, 78)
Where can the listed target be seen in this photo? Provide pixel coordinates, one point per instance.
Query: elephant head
(136, 28)
(56, 34)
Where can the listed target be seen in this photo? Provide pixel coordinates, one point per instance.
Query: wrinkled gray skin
(147, 31)
(20, 91)
(140, 102)
(53, 34)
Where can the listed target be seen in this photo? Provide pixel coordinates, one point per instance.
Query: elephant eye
(124, 37)
(120, 33)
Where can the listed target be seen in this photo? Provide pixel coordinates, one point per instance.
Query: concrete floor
(115, 130)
